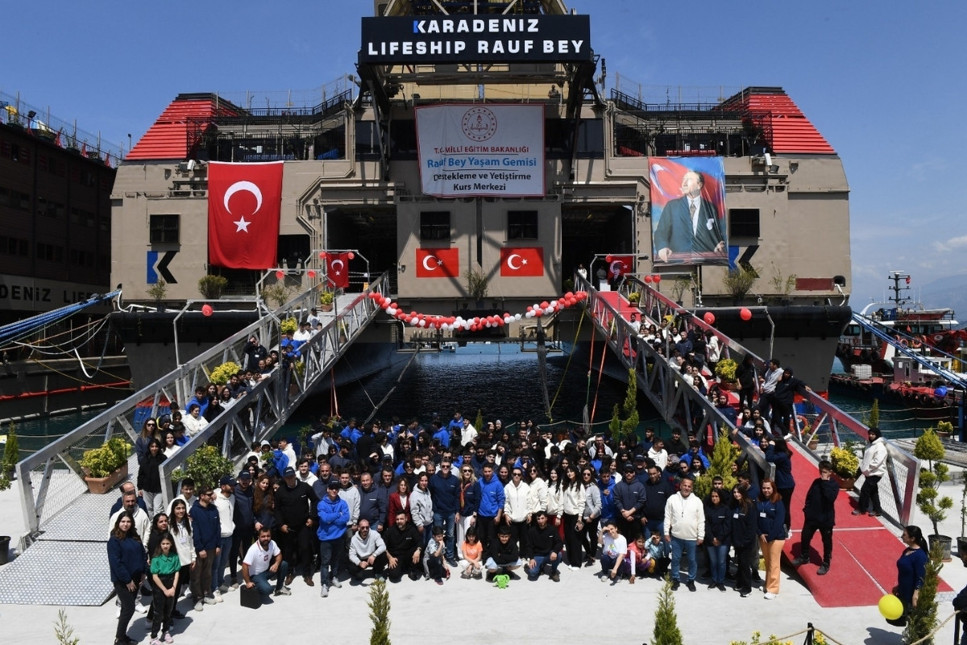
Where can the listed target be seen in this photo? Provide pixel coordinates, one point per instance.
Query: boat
(932, 332)
(481, 171)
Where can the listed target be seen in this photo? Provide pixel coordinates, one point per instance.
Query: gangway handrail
(269, 402)
(830, 418)
(878, 330)
(676, 394)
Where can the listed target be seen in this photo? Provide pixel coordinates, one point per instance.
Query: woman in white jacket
(555, 498)
(574, 499)
(179, 524)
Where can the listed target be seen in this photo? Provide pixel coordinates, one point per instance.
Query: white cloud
(951, 244)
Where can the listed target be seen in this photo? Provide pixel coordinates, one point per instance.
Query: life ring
(916, 344)
(937, 338)
(903, 341)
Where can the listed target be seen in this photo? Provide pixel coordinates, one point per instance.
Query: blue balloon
(940, 392)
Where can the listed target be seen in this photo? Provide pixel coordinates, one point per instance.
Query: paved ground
(580, 609)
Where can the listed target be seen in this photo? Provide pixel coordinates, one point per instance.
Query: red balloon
(607, 258)
(648, 279)
(530, 307)
(709, 318)
(350, 255)
(745, 314)
(569, 294)
(561, 300)
(322, 255)
(279, 275)
(539, 313)
(657, 279)
(311, 273)
(544, 304)
(207, 310)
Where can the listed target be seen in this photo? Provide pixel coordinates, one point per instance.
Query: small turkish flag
(337, 268)
(437, 263)
(620, 265)
(522, 262)
(244, 208)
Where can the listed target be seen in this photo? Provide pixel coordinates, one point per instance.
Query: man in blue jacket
(490, 510)
(206, 533)
(445, 494)
(333, 519)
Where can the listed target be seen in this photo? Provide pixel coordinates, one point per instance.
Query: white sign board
(481, 150)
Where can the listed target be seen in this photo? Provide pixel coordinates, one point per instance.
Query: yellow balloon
(890, 607)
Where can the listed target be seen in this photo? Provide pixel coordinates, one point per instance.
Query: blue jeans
(446, 520)
(688, 546)
(540, 561)
(261, 580)
(330, 553)
(219, 563)
(717, 558)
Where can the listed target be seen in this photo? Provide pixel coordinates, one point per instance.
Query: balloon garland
(477, 323)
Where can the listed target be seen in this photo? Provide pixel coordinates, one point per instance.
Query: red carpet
(865, 551)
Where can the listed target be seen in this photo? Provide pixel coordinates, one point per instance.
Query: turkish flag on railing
(244, 208)
(437, 263)
(522, 262)
(337, 268)
(620, 265)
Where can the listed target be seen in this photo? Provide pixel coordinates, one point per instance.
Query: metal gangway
(681, 405)
(64, 521)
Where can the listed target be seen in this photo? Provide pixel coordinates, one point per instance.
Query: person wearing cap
(295, 505)
(333, 522)
(244, 519)
(629, 501)
(873, 467)
(224, 502)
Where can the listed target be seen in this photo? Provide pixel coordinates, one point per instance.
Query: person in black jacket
(960, 602)
(745, 535)
(657, 491)
(295, 513)
(503, 555)
(746, 377)
(782, 399)
(820, 515)
(629, 500)
(544, 547)
(244, 518)
(403, 549)
(718, 535)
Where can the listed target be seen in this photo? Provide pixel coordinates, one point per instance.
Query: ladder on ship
(65, 521)
(682, 406)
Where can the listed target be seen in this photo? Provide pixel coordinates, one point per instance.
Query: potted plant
(930, 448)
(476, 285)
(326, 299)
(845, 466)
(212, 286)
(277, 293)
(739, 281)
(289, 325)
(634, 297)
(11, 455)
(725, 371)
(945, 429)
(106, 466)
(224, 372)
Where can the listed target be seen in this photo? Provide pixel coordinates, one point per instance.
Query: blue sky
(883, 82)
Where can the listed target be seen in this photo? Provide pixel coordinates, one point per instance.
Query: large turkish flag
(437, 263)
(244, 208)
(522, 262)
(337, 268)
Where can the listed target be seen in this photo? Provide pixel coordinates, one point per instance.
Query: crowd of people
(406, 500)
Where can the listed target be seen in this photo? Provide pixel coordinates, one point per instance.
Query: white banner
(481, 150)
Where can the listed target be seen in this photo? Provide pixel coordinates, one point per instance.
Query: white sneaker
(769, 595)
(324, 592)
(117, 612)
(335, 583)
(209, 600)
(223, 589)
(141, 609)
(218, 596)
(200, 606)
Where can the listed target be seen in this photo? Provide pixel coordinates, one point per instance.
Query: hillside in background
(950, 291)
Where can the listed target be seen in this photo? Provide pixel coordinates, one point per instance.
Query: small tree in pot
(929, 448)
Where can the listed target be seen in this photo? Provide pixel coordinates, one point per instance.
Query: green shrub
(289, 325)
(725, 369)
(929, 448)
(206, 466)
(845, 463)
(212, 286)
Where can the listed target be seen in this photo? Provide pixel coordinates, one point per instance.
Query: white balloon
(391, 311)
(517, 316)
